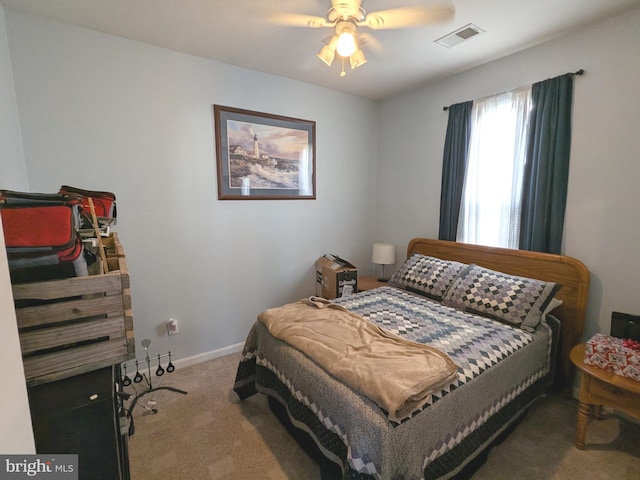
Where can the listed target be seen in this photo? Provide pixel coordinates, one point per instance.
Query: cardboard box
(612, 355)
(335, 277)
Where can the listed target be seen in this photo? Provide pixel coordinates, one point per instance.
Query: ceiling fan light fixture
(326, 54)
(357, 59)
(346, 44)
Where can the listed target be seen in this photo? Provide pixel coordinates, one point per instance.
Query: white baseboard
(203, 357)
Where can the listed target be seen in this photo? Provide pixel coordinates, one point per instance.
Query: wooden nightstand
(367, 283)
(599, 387)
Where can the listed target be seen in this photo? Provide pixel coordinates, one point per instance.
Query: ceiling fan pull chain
(343, 73)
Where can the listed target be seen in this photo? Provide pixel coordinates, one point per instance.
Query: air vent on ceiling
(460, 35)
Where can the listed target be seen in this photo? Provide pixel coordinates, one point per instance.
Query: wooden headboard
(572, 274)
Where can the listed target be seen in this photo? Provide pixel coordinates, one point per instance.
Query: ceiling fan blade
(409, 16)
(299, 20)
(370, 42)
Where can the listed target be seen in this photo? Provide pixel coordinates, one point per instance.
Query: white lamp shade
(383, 254)
(327, 55)
(328, 51)
(346, 44)
(357, 59)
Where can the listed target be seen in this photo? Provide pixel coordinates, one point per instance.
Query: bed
(504, 356)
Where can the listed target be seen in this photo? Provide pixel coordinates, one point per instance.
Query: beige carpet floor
(209, 434)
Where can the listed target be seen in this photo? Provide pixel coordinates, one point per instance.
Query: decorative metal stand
(126, 381)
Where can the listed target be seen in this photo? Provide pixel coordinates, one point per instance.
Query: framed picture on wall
(261, 156)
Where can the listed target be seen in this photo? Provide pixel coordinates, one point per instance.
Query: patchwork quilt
(501, 370)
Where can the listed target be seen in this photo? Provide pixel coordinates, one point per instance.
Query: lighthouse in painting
(256, 151)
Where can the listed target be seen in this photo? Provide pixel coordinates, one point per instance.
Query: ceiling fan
(346, 16)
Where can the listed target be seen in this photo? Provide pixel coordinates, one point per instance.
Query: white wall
(13, 170)
(602, 227)
(16, 435)
(102, 112)
(14, 406)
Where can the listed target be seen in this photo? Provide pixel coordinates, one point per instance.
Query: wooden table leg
(584, 412)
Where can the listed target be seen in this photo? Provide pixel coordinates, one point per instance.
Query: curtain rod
(578, 72)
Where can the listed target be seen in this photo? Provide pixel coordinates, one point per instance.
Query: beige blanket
(397, 374)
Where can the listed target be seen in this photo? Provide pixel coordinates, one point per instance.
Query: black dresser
(81, 415)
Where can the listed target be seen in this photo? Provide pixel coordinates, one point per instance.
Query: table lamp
(383, 254)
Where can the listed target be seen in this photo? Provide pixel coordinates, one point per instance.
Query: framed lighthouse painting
(261, 156)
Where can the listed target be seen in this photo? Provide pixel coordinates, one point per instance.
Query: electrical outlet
(172, 326)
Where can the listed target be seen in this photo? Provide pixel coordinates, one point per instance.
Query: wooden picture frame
(261, 156)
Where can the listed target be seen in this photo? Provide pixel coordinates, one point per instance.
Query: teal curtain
(454, 166)
(546, 173)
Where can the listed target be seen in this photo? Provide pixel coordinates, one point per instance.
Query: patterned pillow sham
(518, 301)
(427, 276)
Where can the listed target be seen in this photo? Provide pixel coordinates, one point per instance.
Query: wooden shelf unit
(72, 326)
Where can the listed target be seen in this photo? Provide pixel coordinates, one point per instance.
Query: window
(505, 167)
(491, 197)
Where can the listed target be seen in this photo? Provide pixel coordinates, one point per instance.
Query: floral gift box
(615, 355)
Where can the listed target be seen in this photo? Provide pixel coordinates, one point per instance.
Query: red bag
(31, 229)
(12, 197)
(104, 203)
(41, 230)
